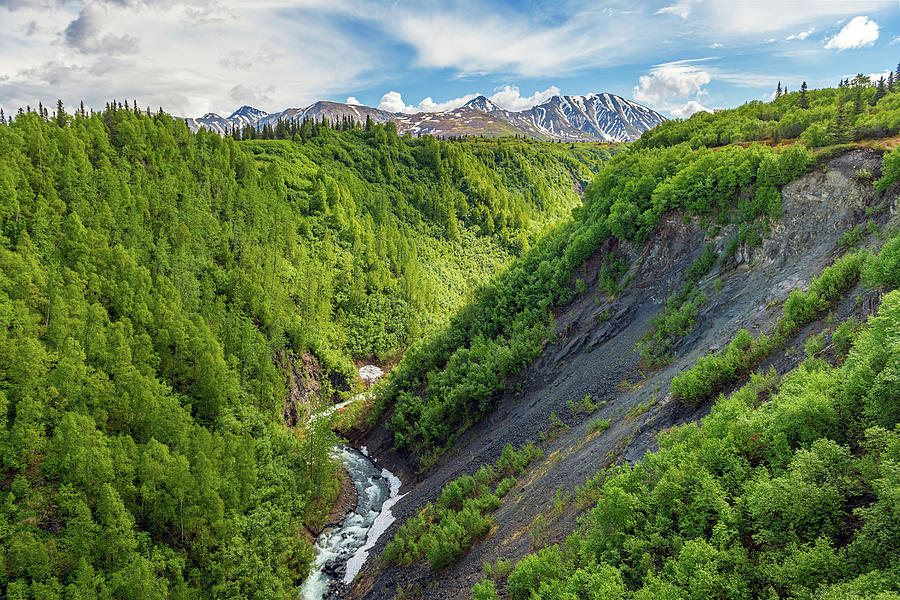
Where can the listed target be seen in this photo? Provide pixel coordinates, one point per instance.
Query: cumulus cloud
(353, 100)
(682, 9)
(510, 98)
(691, 107)
(507, 96)
(860, 31)
(675, 87)
(802, 35)
(716, 45)
(671, 80)
(393, 102)
(895, 41)
(84, 34)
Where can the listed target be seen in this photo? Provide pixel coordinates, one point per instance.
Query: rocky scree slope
(595, 353)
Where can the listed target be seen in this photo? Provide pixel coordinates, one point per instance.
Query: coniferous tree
(778, 90)
(2, 117)
(858, 101)
(804, 100)
(837, 131)
(60, 114)
(879, 91)
(890, 81)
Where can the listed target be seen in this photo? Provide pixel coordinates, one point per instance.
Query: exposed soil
(594, 353)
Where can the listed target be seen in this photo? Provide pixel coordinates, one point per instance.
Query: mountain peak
(481, 103)
(248, 112)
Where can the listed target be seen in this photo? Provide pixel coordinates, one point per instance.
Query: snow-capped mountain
(212, 122)
(332, 111)
(591, 118)
(601, 116)
(247, 115)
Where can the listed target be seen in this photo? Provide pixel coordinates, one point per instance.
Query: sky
(191, 57)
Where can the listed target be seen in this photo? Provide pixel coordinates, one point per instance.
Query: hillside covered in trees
(155, 285)
(707, 166)
(786, 489)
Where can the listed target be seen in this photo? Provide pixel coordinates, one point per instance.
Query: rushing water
(347, 545)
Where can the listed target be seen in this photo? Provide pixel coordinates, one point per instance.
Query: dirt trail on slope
(595, 354)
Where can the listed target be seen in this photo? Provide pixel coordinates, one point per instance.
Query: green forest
(154, 286)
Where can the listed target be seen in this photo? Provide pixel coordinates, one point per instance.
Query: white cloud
(507, 96)
(691, 107)
(393, 102)
(716, 45)
(859, 32)
(802, 35)
(510, 98)
(682, 9)
(671, 81)
(353, 100)
(770, 41)
(182, 60)
(484, 40)
(895, 41)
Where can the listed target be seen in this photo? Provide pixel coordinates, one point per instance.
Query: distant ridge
(591, 118)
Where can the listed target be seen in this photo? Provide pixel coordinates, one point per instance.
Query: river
(342, 550)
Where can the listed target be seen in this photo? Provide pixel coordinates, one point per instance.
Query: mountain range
(591, 118)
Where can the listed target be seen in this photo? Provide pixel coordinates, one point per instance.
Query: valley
(348, 362)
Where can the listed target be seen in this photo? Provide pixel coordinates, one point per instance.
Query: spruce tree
(60, 114)
(890, 81)
(2, 117)
(879, 91)
(804, 100)
(778, 90)
(858, 101)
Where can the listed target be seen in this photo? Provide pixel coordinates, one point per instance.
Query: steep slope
(595, 352)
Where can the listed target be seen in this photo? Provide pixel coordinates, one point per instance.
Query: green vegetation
(585, 405)
(830, 116)
(556, 429)
(786, 490)
(155, 285)
(597, 424)
(445, 531)
(450, 380)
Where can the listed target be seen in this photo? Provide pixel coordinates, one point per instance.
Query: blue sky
(197, 56)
